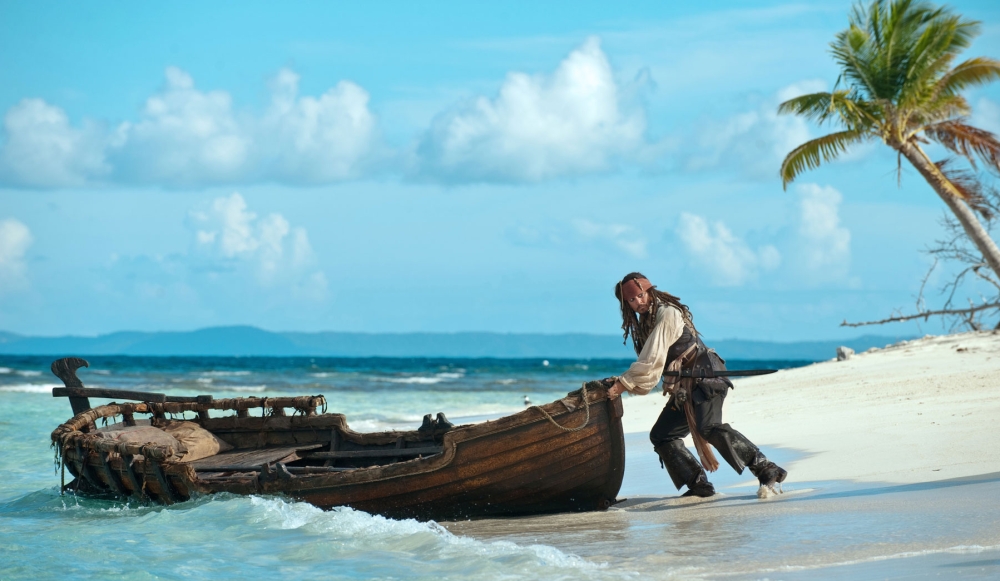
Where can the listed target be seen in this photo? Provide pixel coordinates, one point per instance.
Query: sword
(708, 373)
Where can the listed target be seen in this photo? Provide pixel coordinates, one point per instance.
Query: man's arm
(643, 375)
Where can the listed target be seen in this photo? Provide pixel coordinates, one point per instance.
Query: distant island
(251, 341)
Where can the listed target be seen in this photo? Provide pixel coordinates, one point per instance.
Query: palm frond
(976, 194)
(852, 51)
(942, 108)
(968, 141)
(813, 153)
(940, 37)
(838, 105)
(974, 72)
(897, 50)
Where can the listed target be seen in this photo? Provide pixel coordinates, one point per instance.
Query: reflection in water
(818, 531)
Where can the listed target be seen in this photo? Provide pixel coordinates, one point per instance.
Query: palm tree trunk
(947, 191)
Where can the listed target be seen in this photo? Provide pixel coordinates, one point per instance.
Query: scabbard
(709, 373)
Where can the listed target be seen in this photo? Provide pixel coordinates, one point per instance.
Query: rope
(586, 406)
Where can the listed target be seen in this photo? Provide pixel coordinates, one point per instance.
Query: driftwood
(925, 315)
(973, 276)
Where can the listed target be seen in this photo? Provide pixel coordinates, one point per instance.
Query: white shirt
(643, 375)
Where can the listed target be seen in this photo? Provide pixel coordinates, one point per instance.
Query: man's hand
(615, 390)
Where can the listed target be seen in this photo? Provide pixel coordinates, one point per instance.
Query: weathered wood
(133, 482)
(290, 469)
(110, 477)
(393, 453)
(65, 369)
(519, 464)
(85, 470)
(334, 446)
(87, 392)
(248, 458)
(166, 495)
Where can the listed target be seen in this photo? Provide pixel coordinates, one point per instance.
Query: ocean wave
(369, 425)
(244, 388)
(100, 371)
(359, 531)
(28, 373)
(417, 379)
(409, 380)
(506, 381)
(225, 373)
(5, 370)
(204, 380)
(28, 388)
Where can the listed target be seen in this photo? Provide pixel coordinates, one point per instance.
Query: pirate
(665, 339)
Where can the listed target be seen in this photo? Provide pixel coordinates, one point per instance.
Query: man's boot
(740, 452)
(768, 473)
(684, 468)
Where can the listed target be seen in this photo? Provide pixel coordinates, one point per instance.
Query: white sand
(918, 411)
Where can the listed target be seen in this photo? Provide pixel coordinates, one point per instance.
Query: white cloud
(312, 140)
(42, 149)
(278, 253)
(722, 256)
(824, 248)
(188, 137)
(813, 249)
(755, 141)
(568, 123)
(623, 237)
(15, 238)
(185, 136)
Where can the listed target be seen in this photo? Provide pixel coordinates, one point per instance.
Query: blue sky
(441, 167)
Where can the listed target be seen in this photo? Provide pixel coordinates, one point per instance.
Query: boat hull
(569, 458)
(531, 468)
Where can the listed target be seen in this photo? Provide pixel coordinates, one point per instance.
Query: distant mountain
(251, 341)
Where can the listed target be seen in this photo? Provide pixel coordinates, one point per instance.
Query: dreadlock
(640, 326)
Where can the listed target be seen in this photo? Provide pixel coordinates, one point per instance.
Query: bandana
(633, 288)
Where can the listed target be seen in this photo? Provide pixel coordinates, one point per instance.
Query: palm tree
(897, 84)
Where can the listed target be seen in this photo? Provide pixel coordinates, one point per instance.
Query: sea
(48, 535)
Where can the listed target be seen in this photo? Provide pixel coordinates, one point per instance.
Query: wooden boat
(568, 455)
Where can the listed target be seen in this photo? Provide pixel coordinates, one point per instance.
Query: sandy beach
(911, 412)
(893, 473)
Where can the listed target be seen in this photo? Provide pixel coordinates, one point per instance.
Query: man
(665, 338)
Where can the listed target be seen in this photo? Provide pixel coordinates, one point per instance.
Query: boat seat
(380, 453)
(252, 459)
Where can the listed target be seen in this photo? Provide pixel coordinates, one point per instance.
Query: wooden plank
(531, 462)
(85, 471)
(166, 493)
(113, 482)
(248, 458)
(334, 446)
(108, 393)
(292, 469)
(132, 480)
(393, 453)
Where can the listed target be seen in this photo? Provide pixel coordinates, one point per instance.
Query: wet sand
(893, 473)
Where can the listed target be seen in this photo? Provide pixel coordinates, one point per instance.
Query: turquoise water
(47, 536)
